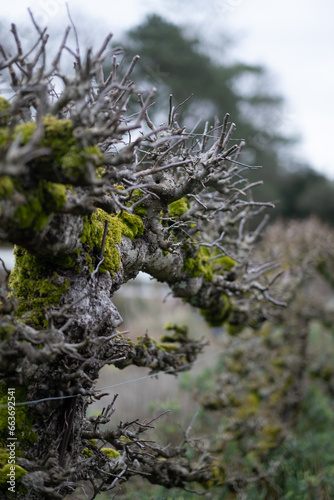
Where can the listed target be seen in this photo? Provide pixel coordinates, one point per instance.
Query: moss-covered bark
(88, 207)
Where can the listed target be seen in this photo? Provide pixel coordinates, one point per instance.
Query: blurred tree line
(177, 63)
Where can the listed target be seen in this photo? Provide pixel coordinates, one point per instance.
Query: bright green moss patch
(49, 197)
(34, 288)
(31, 215)
(54, 195)
(87, 453)
(132, 225)
(199, 265)
(168, 347)
(123, 224)
(4, 105)
(94, 153)
(5, 472)
(110, 452)
(180, 333)
(178, 207)
(225, 262)
(164, 346)
(138, 209)
(57, 135)
(67, 158)
(206, 262)
(75, 160)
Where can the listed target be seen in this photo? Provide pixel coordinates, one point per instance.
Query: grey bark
(63, 356)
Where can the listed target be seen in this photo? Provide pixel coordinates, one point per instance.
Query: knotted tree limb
(90, 198)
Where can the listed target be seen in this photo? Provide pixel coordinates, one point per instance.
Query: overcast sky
(293, 39)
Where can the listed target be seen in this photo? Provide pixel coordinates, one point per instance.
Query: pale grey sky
(294, 40)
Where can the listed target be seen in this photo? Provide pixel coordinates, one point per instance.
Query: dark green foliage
(179, 63)
(307, 192)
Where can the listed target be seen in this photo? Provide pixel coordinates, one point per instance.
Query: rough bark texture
(91, 196)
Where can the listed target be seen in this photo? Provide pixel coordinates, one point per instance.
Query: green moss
(25, 131)
(64, 261)
(6, 470)
(219, 313)
(89, 450)
(34, 287)
(199, 265)
(65, 148)
(57, 135)
(139, 209)
(100, 171)
(145, 342)
(123, 224)
(67, 158)
(49, 197)
(94, 153)
(218, 476)
(75, 160)
(180, 333)
(225, 263)
(23, 422)
(168, 347)
(6, 187)
(206, 263)
(125, 439)
(31, 215)
(4, 111)
(54, 195)
(178, 207)
(87, 453)
(164, 346)
(110, 452)
(4, 136)
(132, 225)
